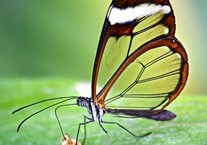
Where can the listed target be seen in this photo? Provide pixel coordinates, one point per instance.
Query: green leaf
(190, 126)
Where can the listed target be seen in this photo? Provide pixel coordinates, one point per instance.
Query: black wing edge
(163, 115)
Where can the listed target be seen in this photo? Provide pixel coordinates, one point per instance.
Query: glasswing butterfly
(140, 66)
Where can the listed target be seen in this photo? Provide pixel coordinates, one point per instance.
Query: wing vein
(160, 76)
(165, 55)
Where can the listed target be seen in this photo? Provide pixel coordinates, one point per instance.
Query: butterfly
(140, 66)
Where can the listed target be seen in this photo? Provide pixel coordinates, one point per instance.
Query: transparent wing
(152, 79)
(119, 41)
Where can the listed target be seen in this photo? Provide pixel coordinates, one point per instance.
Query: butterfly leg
(85, 133)
(79, 126)
(108, 141)
(126, 129)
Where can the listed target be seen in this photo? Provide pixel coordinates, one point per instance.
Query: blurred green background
(47, 46)
(49, 38)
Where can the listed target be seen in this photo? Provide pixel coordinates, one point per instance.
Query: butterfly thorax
(96, 113)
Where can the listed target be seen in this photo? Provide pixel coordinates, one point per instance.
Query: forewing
(151, 20)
